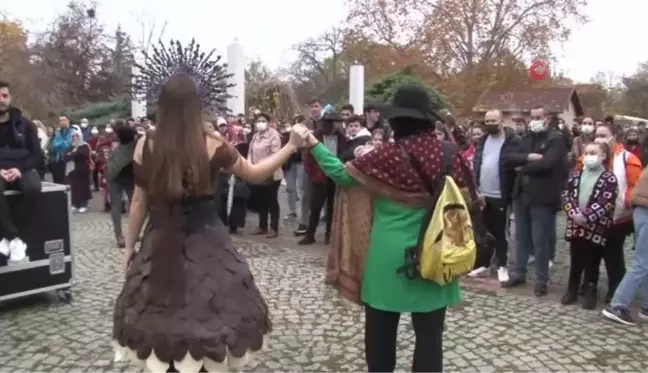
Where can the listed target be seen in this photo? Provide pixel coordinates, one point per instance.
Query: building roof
(554, 99)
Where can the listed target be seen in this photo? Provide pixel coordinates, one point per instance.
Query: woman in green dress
(400, 199)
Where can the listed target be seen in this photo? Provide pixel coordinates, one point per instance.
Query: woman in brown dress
(189, 302)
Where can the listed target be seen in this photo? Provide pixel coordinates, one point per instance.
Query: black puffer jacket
(540, 182)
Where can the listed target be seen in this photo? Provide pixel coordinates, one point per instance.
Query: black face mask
(576, 131)
(493, 129)
(632, 141)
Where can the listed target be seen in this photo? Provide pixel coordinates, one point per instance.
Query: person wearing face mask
(589, 203)
(495, 178)
(85, 130)
(539, 158)
(631, 142)
(266, 142)
(627, 168)
(586, 135)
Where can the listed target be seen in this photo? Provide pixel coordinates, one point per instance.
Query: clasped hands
(10, 175)
(301, 136)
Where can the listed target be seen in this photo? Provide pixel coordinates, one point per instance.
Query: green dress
(395, 227)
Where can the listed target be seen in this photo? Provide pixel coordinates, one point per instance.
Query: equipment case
(45, 228)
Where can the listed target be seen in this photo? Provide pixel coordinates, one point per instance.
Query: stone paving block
(316, 330)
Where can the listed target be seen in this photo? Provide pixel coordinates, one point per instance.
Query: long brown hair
(179, 161)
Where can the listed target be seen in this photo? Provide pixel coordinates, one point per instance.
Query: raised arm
(329, 163)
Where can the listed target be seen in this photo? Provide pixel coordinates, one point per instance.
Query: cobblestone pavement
(314, 329)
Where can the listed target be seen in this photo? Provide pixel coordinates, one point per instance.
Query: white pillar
(236, 67)
(138, 100)
(356, 88)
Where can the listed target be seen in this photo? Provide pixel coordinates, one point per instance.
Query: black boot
(306, 240)
(570, 297)
(327, 238)
(589, 302)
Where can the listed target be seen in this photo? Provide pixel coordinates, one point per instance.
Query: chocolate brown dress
(189, 302)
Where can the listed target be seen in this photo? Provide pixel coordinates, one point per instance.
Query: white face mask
(536, 126)
(247, 131)
(109, 130)
(84, 125)
(261, 126)
(592, 161)
(587, 128)
(94, 132)
(602, 140)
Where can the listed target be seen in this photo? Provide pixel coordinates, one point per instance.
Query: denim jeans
(637, 277)
(533, 227)
(292, 181)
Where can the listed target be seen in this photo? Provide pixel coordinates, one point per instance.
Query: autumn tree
(321, 68)
(635, 92)
(612, 94)
(469, 45)
(265, 90)
(74, 49)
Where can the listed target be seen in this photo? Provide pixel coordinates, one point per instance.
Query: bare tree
(321, 68)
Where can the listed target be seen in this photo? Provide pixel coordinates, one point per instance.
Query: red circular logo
(539, 70)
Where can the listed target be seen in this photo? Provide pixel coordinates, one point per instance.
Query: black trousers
(58, 172)
(322, 194)
(612, 255)
(95, 178)
(29, 184)
(380, 340)
(585, 259)
(496, 219)
(266, 196)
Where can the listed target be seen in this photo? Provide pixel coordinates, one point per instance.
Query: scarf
(386, 172)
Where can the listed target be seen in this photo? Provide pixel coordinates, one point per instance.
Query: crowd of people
(527, 172)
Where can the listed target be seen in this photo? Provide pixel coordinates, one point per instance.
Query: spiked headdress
(205, 69)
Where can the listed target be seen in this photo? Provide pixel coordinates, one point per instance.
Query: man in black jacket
(495, 179)
(539, 158)
(20, 158)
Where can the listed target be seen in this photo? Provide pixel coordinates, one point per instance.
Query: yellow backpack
(446, 248)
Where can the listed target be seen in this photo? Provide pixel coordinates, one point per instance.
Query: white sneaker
(83, 210)
(550, 264)
(531, 259)
(4, 247)
(478, 272)
(74, 209)
(18, 250)
(503, 275)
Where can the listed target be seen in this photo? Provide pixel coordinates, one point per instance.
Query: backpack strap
(429, 186)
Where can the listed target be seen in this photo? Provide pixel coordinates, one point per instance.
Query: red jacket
(312, 169)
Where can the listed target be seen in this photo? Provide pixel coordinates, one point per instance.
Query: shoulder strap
(446, 167)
